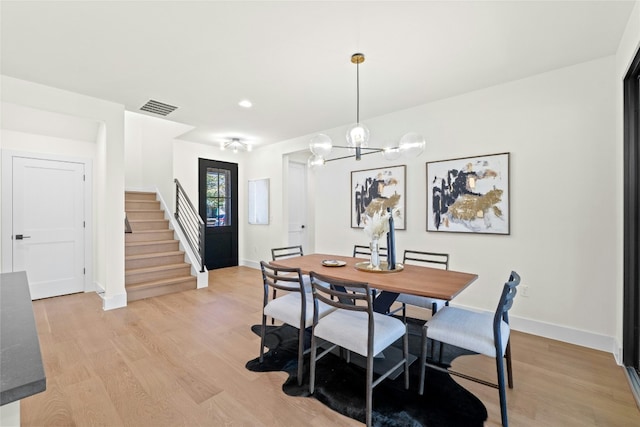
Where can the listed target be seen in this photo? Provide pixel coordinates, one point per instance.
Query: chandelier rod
(371, 151)
(358, 91)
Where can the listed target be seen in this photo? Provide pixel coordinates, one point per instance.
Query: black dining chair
(481, 332)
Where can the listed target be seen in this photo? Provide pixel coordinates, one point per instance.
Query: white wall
(149, 154)
(560, 130)
(108, 173)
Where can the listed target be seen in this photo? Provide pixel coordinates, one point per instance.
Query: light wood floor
(178, 360)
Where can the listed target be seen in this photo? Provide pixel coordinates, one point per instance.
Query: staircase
(154, 264)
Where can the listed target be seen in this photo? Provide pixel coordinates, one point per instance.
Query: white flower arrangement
(376, 225)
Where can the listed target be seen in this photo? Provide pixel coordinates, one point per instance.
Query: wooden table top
(413, 279)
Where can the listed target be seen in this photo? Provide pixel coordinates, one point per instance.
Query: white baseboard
(565, 334)
(251, 264)
(202, 279)
(114, 301)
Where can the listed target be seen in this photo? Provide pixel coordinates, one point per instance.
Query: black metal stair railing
(190, 223)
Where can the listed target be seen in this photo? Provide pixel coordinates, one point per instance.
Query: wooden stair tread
(149, 220)
(149, 242)
(161, 282)
(153, 255)
(151, 231)
(143, 210)
(156, 268)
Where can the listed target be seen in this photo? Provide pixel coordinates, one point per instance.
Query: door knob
(20, 237)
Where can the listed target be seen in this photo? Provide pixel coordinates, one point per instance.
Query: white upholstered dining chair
(481, 332)
(354, 326)
(295, 307)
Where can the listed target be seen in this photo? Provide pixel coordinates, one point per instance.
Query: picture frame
(375, 189)
(469, 195)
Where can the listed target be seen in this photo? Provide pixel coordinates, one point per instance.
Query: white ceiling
(292, 58)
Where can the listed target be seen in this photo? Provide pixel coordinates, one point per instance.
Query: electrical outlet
(525, 291)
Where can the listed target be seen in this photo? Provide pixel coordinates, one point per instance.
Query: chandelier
(411, 144)
(235, 144)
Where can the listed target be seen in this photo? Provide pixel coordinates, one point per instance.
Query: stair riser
(150, 249)
(160, 224)
(133, 215)
(148, 237)
(138, 204)
(156, 275)
(187, 284)
(153, 262)
(134, 195)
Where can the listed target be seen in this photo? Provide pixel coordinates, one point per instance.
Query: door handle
(20, 237)
(302, 226)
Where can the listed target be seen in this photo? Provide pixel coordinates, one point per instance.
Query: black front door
(218, 205)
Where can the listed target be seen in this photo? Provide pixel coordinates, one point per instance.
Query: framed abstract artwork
(469, 195)
(374, 190)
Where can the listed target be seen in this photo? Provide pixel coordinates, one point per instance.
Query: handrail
(190, 222)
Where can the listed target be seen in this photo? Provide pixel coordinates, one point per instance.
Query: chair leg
(312, 363)
(262, 333)
(369, 390)
(509, 370)
(423, 360)
(405, 353)
(502, 390)
(404, 313)
(300, 355)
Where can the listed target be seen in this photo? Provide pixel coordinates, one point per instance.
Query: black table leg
(383, 301)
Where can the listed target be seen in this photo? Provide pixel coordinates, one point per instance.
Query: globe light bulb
(358, 136)
(412, 144)
(391, 153)
(320, 145)
(315, 162)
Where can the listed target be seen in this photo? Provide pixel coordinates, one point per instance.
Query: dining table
(406, 278)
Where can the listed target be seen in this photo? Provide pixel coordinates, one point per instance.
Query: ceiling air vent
(157, 107)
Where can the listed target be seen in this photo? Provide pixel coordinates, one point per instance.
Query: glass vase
(375, 254)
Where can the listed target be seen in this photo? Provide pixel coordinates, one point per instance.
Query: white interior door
(297, 189)
(48, 225)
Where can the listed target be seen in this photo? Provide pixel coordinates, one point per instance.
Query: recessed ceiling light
(245, 103)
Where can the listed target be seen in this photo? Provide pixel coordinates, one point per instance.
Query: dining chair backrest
(286, 279)
(433, 259)
(504, 305)
(337, 295)
(362, 251)
(286, 252)
(292, 307)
